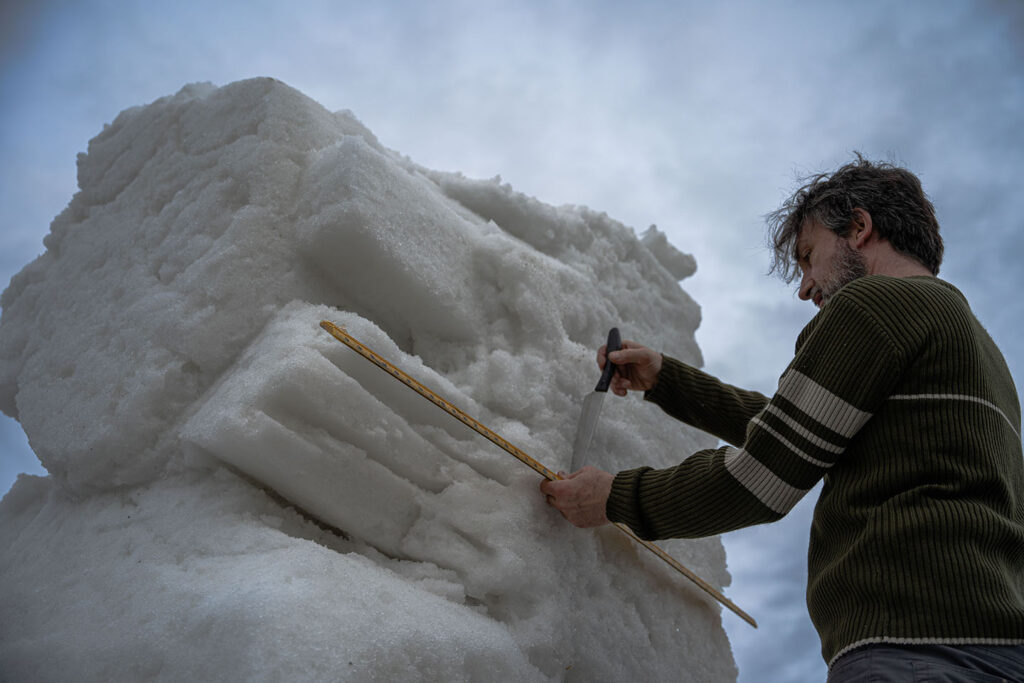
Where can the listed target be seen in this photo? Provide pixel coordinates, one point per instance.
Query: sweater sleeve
(845, 366)
(701, 400)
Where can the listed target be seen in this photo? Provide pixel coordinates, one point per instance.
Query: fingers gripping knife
(592, 406)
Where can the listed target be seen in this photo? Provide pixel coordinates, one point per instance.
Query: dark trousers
(883, 663)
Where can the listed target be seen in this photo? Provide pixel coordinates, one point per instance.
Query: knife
(592, 406)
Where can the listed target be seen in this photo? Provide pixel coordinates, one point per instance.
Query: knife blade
(592, 407)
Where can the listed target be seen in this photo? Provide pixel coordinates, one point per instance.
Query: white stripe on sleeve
(776, 494)
(822, 405)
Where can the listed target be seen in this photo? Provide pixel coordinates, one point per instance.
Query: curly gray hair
(900, 212)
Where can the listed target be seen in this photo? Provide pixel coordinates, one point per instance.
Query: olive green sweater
(901, 401)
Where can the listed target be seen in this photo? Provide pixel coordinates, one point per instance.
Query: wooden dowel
(343, 336)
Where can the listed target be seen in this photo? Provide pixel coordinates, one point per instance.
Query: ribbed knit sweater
(900, 400)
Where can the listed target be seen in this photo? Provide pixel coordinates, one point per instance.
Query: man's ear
(861, 229)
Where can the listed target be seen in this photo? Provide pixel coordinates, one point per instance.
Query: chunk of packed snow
(676, 262)
(234, 494)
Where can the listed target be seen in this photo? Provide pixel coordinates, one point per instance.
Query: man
(900, 400)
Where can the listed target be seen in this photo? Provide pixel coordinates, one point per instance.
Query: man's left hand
(581, 497)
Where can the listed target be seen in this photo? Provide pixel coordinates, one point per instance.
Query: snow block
(236, 495)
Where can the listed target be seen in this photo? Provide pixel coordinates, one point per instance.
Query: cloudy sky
(694, 116)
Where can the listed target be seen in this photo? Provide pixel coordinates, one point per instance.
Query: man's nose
(806, 286)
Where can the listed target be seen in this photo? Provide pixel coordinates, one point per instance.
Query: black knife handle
(614, 344)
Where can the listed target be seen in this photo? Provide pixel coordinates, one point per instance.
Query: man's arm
(681, 391)
(844, 369)
(700, 400)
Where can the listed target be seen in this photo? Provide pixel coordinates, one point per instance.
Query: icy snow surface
(234, 495)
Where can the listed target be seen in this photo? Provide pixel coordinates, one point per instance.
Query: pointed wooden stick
(343, 336)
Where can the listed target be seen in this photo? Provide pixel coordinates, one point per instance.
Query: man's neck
(888, 261)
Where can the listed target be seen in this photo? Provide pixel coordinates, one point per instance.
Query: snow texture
(235, 495)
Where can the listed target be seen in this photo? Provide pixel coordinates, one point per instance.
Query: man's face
(828, 263)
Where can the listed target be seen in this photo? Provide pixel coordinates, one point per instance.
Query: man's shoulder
(895, 307)
(901, 294)
(908, 310)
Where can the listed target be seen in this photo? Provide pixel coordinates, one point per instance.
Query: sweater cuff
(661, 391)
(623, 506)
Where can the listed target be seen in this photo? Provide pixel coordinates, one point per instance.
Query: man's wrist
(656, 391)
(657, 373)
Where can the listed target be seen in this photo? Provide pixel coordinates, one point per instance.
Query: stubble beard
(848, 264)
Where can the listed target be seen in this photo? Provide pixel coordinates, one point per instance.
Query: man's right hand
(637, 367)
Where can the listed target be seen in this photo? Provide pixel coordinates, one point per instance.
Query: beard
(847, 265)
